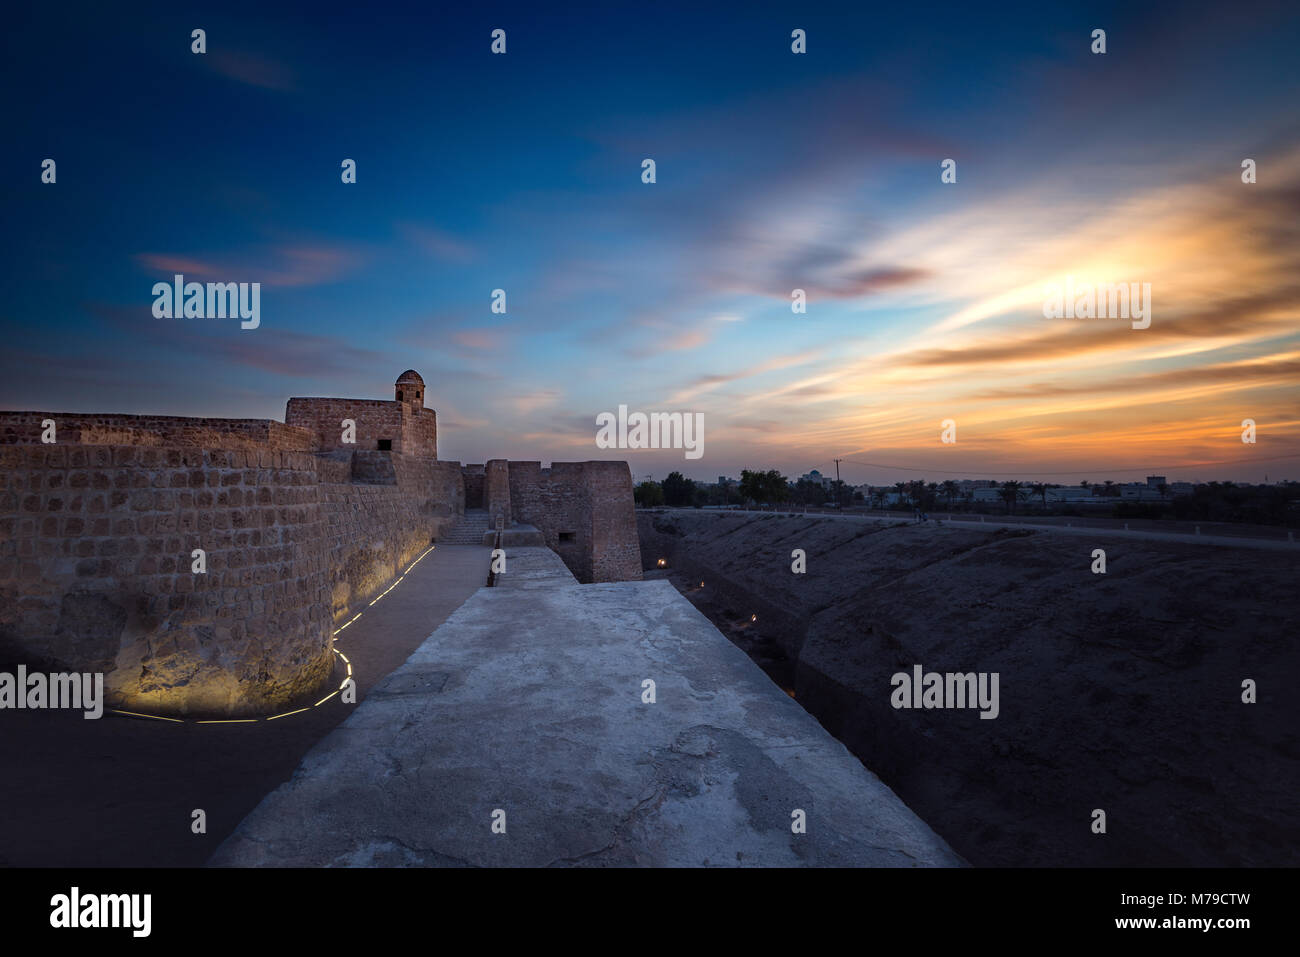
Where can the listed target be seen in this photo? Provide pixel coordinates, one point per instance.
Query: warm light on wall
(342, 656)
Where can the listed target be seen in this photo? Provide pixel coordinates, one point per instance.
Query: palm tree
(1039, 489)
(901, 489)
(1010, 493)
(916, 493)
(949, 490)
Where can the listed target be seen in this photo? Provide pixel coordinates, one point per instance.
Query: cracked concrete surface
(529, 700)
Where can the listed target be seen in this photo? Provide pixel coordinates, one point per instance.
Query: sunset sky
(774, 171)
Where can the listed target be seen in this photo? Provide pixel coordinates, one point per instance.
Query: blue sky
(775, 171)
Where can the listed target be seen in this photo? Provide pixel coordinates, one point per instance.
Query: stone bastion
(203, 564)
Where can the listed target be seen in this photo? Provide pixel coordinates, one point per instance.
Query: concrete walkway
(389, 630)
(525, 709)
(152, 774)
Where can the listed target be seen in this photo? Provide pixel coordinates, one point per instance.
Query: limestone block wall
(438, 485)
(419, 431)
(76, 428)
(496, 492)
(585, 512)
(373, 530)
(373, 468)
(474, 477)
(376, 419)
(95, 565)
(96, 574)
(615, 544)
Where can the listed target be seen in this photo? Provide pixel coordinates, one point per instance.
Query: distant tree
(1010, 492)
(769, 486)
(808, 492)
(648, 495)
(901, 489)
(841, 494)
(678, 490)
(949, 490)
(922, 496)
(703, 494)
(1040, 489)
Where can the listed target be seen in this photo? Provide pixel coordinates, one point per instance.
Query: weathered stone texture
(97, 532)
(78, 428)
(96, 550)
(585, 511)
(407, 430)
(496, 492)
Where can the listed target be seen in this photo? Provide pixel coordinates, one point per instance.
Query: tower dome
(410, 389)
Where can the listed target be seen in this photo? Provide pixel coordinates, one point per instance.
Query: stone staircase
(468, 531)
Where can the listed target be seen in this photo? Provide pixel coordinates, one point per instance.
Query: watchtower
(410, 389)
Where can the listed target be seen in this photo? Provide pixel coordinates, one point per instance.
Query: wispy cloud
(284, 265)
(438, 243)
(253, 69)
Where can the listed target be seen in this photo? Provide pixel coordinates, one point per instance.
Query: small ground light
(753, 618)
(663, 562)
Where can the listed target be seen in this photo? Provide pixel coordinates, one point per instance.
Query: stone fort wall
(98, 531)
(406, 430)
(24, 428)
(584, 511)
(96, 568)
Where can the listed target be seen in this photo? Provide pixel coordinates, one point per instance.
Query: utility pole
(837, 469)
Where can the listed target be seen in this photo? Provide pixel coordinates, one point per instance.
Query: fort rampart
(203, 564)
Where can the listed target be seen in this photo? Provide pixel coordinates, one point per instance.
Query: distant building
(1069, 493)
(817, 477)
(1154, 481)
(1136, 491)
